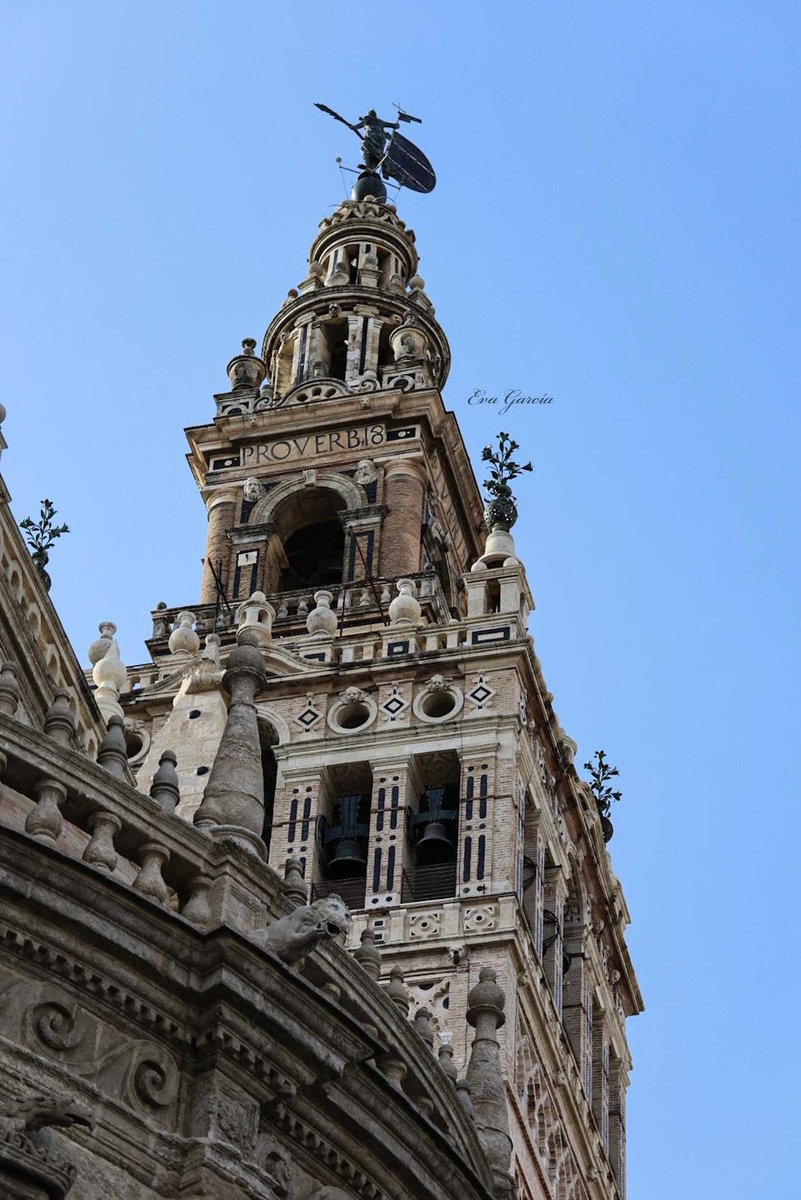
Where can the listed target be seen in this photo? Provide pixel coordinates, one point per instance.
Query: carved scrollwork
(154, 1081)
(55, 1026)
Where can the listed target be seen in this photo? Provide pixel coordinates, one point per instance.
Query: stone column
(553, 933)
(476, 821)
(617, 1121)
(221, 505)
(389, 853)
(295, 814)
(233, 802)
(485, 1004)
(401, 533)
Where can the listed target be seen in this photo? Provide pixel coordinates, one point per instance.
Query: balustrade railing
(114, 828)
(367, 599)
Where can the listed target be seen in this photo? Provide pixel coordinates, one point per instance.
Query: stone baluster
(295, 887)
(233, 802)
(446, 1062)
(99, 851)
(394, 1068)
(113, 755)
(424, 1028)
(197, 908)
(45, 821)
(368, 956)
(9, 689)
(485, 1004)
(184, 642)
(396, 990)
(59, 722)
(149, 880)
(164, 788)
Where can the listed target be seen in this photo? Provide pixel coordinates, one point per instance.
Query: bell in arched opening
(436, 843)
(312, 540)
(314, 556)
(348, 839)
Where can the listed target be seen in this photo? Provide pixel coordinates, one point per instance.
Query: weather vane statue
(386, 151)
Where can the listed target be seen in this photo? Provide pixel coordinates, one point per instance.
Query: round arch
(332, 481)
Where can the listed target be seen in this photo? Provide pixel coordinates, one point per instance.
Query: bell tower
(385, 702)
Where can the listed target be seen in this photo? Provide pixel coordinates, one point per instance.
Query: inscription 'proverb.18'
(313, 444)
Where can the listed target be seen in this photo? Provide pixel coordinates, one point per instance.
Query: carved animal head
(332, 913)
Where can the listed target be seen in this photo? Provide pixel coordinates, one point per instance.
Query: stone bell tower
(385, 716)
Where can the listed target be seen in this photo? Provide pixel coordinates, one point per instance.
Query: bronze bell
(349, 860)
(434, 846)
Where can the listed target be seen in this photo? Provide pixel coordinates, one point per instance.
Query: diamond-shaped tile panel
(309, 716)
(480, 693)
(394, 704)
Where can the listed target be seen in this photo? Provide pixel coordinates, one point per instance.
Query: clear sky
(615, 224)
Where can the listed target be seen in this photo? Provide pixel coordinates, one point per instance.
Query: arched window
(312, 539)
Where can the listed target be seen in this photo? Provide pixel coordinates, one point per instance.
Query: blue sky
(615, 224)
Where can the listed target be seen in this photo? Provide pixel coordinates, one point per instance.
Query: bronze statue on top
(386, 151)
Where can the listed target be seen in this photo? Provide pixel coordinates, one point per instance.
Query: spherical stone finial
(100, 645)
(111, 677)
(322, 620)
(110, 668)
(183, 640)
(405, 608)
(486, 997)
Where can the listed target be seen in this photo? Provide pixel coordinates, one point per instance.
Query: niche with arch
(312, 540)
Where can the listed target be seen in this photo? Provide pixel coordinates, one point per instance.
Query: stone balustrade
(292, 607)
(86, 812)
(63, 800)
